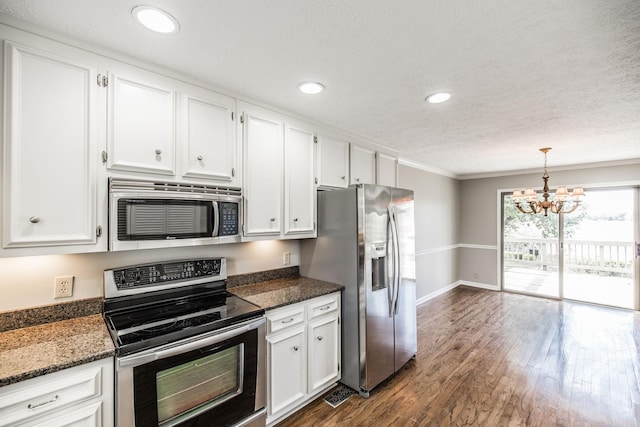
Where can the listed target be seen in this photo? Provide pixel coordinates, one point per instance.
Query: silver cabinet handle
(325, 308)
(158, 151)
(319, 338)
(200, 157)
(34, 219)
(288, 321)
(46, 402)
(295, 348)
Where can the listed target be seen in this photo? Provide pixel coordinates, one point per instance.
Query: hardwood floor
(498, 359)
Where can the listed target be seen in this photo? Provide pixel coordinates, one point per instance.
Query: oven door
(211, 379)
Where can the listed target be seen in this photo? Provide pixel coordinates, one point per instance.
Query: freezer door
(375, 285)
(402, 218)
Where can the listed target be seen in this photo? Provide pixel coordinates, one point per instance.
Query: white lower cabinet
(303, 353)
(79, 396)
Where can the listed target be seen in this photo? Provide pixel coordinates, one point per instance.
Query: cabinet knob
(295, 348)
(357, 179)
(34, 219)
(319, 338)
(295, 219)
(343, 177)
(272, 219)
(158, 151)
(200, 157)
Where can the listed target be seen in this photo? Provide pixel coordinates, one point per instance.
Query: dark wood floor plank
(498, 359)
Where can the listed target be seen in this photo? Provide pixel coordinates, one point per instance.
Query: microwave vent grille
(172, 187)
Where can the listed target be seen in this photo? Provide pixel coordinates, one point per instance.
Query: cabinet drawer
(323, 306)
(86, 416)
(281, 320)
(40, 396)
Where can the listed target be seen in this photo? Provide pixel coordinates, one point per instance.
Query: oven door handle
(218, 337)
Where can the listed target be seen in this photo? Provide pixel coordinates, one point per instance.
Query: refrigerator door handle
(396, 258)
(392, 260)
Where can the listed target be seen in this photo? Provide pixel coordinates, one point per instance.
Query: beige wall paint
(436, 218)
(28, 281)
(479, 211)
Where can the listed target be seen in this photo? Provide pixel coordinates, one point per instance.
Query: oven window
(206, 386)
(208, 380)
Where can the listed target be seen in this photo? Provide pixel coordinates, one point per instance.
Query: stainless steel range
(188, 352)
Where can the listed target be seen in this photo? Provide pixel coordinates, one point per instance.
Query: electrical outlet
(286, 258)
(63, 287)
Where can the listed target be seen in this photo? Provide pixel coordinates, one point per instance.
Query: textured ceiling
(523, 74)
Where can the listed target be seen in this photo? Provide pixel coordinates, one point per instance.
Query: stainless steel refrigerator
(366, 243)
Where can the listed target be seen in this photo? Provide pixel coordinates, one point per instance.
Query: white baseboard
(441, 291)
(434, 294)
(478, 285)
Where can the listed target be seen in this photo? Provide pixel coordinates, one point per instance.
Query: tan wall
(479, 227)
(436, 219)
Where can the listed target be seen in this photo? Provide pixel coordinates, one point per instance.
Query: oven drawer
(323, 306)
(283, 320)
(46, 396)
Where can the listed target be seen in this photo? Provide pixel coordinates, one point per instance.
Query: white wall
(436, 218)
(28, 281)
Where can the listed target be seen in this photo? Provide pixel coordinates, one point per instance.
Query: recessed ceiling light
(155, 19)
(310, 88)
(437, 98)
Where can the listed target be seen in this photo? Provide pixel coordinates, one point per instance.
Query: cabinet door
(141, 122)
(324, 353)
(386, 170)
(288, 369)
(299, 186)
(50, 161)
(333, 162)
(208, 136)
(363, 165)
(263, 144)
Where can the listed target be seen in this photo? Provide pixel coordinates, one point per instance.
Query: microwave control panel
(229, 214)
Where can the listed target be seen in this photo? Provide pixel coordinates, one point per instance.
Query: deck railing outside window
(580, 256)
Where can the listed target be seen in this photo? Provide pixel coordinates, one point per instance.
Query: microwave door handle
(216, 219)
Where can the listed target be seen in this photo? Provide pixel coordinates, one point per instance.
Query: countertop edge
(6, 381)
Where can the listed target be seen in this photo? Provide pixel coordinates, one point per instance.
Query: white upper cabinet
(141, 123)
(50, 146)
(333, 162)
(386, 170)
(208, 136)
(263, 171)
(299, 185)
(363, 165)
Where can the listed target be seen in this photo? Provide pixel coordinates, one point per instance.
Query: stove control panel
(165, 273)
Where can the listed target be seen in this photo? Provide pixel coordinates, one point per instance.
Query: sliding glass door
(588, 255)
(599, 254)
(530, 252)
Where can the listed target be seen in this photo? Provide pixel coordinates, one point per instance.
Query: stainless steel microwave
(151, 214)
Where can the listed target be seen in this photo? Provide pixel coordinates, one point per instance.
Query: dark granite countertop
(284, 291)
(38, 350)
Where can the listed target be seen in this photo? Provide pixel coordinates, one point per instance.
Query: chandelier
(563, 201)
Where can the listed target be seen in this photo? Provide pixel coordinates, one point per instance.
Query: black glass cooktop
(152, 320)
